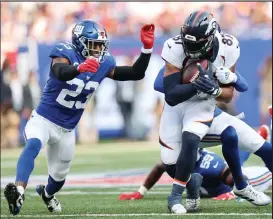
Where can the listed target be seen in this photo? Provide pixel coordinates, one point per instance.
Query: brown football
(191, 71)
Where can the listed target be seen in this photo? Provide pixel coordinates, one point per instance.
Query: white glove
(225, 76)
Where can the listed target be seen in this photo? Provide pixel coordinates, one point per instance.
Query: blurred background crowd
(47, 23)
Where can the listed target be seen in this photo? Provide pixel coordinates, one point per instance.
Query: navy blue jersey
(63, 102)
(210, 166)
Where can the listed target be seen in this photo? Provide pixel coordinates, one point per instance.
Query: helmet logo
(191, 38)
(78, 30)
(211, 26)
(102, 36)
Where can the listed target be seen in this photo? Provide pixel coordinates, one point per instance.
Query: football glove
(225, 76)
(130, 196)
(147, 36)
(225, 196)
(206, 83)
(89, 65)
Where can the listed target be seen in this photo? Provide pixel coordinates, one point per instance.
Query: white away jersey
(228, 52)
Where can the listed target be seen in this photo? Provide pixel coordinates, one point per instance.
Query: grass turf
(115, 157)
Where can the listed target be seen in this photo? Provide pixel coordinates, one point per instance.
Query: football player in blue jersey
(77, 69)
(217, 178)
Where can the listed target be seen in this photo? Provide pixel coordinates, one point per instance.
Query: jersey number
(227, 39)
(80, 86)
(206, 161)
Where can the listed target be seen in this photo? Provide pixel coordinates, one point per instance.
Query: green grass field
(103, 203)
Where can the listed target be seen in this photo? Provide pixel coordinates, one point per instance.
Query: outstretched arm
(137, 71)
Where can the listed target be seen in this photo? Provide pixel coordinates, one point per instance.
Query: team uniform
(211, 166)
(198, 113)
(62, 104)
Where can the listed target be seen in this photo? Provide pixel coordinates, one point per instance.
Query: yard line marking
(135, 215)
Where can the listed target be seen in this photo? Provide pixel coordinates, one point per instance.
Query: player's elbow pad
(64, 72)
(134, 73)
(241, 84)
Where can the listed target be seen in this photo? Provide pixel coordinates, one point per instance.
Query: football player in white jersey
(190, 108)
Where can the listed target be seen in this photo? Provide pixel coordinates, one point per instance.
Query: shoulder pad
(173, 51)
(65, 50)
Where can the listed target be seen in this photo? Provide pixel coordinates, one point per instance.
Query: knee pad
(228, 136)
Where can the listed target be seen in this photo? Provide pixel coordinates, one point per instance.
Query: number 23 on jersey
(80, 87)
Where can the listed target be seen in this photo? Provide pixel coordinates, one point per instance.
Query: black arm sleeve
(135, 72)
(64, 72)
(175, 92)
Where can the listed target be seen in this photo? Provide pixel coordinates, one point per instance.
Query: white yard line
(137, 215)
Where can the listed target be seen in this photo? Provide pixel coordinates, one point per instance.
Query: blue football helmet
(90, 39)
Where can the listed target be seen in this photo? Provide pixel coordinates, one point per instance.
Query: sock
(142, 190)
(187, 158)
(53, 186)
(194, 185)
(21, 189)
(25, 163)
(176, 194)
(229, 139)
(265, 153)
(47, 195)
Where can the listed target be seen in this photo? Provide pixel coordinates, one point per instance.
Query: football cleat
(264, 132)
(193, 205)
(178, 209)
(193, 193)
(253, 196)
(52, 204)
(225, 197)
(14, 198)
(130, 196)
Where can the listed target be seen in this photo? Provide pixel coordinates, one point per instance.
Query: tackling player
(190, 112)
(217, 178)
(76, 71)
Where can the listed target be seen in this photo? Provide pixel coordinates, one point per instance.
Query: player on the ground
(190, 109)
(217, 178)
(76, 71)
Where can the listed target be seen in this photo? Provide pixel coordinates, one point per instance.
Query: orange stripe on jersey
(164, 144)
(205, 121)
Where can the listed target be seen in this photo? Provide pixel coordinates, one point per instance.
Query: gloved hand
(147, 36)
(206, 83)
(225, 76)
(89, 65)
(225, 196)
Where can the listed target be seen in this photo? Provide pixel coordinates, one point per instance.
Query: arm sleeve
(64, 72)
(175, 92)
(241, 84)
(135, 72)
(158, 84)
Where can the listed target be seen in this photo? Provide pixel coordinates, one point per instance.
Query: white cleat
(178, 209)
(253, 196)
(193, 205)
(52, 204)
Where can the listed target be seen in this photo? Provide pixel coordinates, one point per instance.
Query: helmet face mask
(90, 39)
(94, 48)
(198, 33)
(197, 48)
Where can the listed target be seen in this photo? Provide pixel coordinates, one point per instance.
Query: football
(191, 71)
